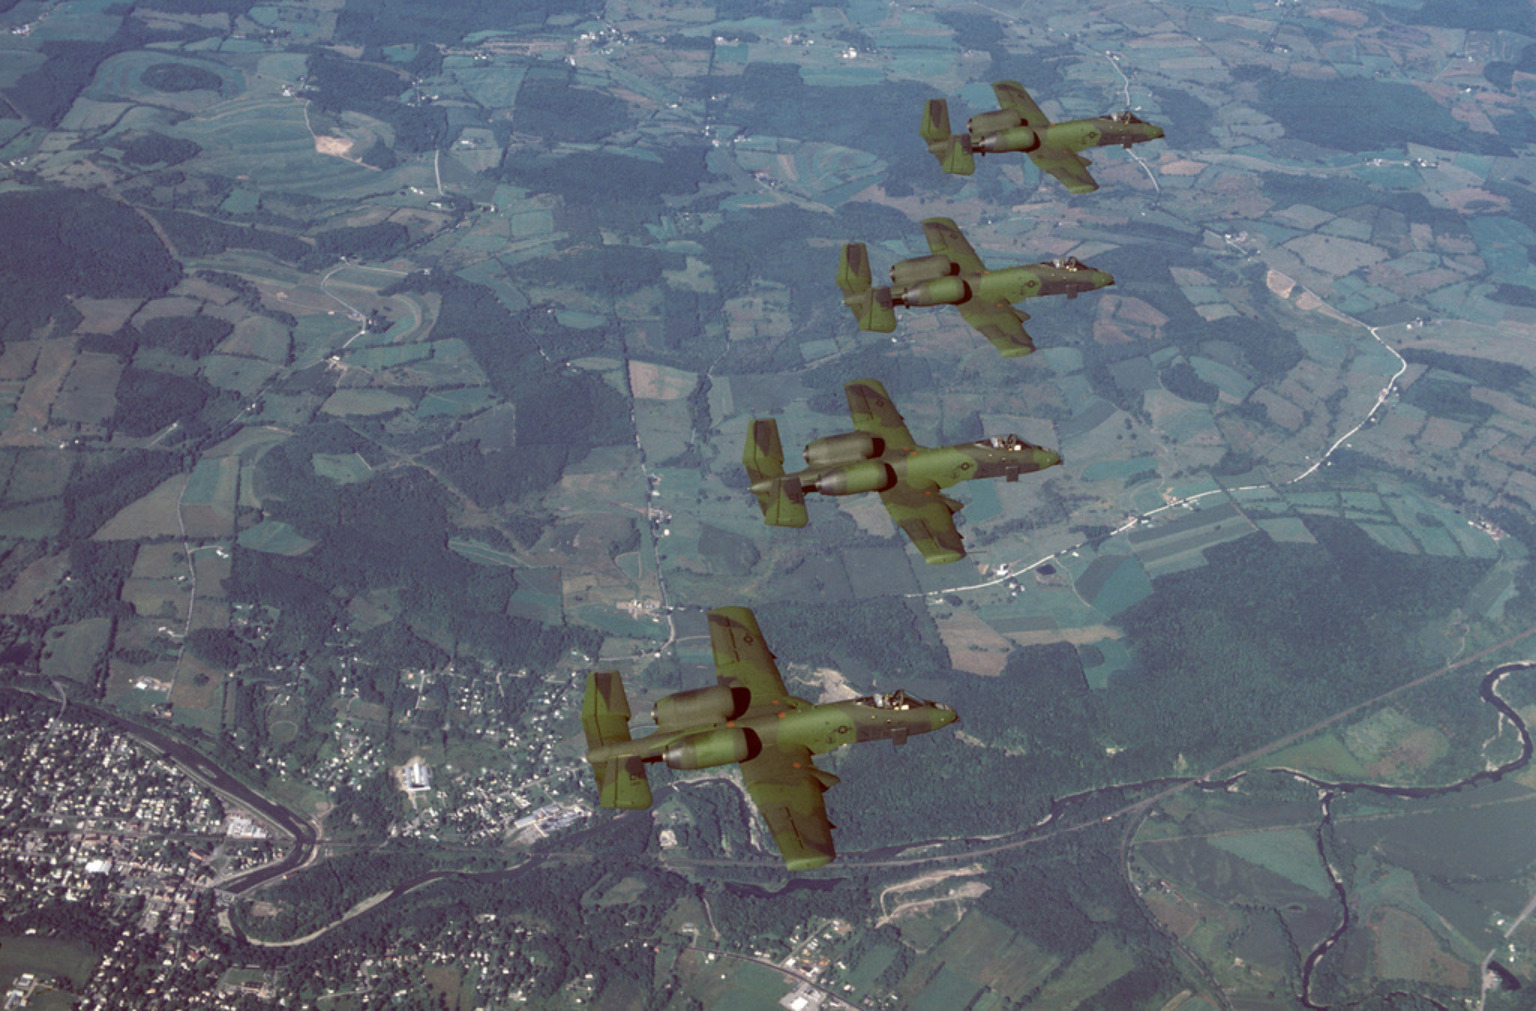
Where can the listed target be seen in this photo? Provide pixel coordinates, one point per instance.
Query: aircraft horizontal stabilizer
(621, 781)
(952, 150)
(853, 274)
(935, 125)
(957, 159)
(780, 496)
(875, 311)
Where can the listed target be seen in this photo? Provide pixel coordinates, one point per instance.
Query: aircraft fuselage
(855, 463)
(1010, 284)
(1004, 130)
(820, 728)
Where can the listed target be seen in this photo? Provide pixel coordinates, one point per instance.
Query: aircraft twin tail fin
(779, 495)
(605, 713)
(952, 150)
(871, 306)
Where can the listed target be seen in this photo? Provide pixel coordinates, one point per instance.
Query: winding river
(1489, 691)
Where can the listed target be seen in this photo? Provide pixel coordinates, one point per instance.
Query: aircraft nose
(1155, 133)
(947, 716)
(1049, 458)
(1102, 279)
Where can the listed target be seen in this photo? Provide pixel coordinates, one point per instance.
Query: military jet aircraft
(881, 456)
(954, 275)
(746, 717)
(1020, 126)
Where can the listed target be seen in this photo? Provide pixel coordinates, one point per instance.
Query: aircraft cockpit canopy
(1125, 117)
(897, 699)
(1068, 263)
(1009, 443)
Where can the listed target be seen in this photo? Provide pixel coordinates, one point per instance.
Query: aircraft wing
(1011, 95)
(786, 786)
(874, 413)
(946, 239)
(1001, 324)
(742, 659)
(1069, 167)
(927, 516)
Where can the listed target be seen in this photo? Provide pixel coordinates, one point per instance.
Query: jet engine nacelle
(701, 707)
(848, 448)
(720, 746)
(854, 478)
(993, 122)
(1015, 138)
(939, 291)
(923, 268)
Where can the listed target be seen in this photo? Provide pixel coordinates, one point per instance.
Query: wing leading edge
(927, 516)
(1001, 324)
(873, 412)
(945, 238)
(1011, 95)
(1069, 167)
(787, 788)
(742, 659)
(783, 781)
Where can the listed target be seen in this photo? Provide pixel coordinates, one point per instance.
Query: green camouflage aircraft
(881, 456)
(954, 275)
(1020, 126)
(746, 717)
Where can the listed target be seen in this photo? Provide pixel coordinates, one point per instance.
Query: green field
(478, 552)
(73, 650)
(67, 961)
(1289, 853)
(753, 988)
(365, 402)
(343, 468)
(275, 538)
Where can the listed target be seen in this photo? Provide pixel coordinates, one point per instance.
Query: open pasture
(491, 86)
(1288, 852)
(319, 334)
(386, 356)
(1404, 948)
(212, 481)
(198, 695)
(103, 315)
(268, 140)
(298, 22)
(343, 468)
(160, 599)
(154, 515)
(32, 520)
(1087, 974)
(259, 337)
(72, 651)
(986, 952)
(86, 395)
(122, 77)
(72, 963)
(275, 538)
(1324, 756)
(245, 376)
(137, 686)
(19, 360)
(162, 561)
(455, 403)
(364, 402)
(86, 21)
(85, 116)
